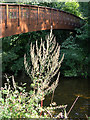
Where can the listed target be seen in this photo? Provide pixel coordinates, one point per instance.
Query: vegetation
(15, 102)
(76, 53)
(73, 44)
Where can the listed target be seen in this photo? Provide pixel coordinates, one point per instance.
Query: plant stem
(52, 97)
(72, 105)
(41, 106)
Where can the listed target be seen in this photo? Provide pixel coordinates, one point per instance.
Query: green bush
(15, 102)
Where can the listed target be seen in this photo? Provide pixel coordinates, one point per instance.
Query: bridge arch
(16, 19)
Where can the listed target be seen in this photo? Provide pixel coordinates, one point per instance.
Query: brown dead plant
(45, 65)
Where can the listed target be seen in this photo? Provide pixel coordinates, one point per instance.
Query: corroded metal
(18, 19)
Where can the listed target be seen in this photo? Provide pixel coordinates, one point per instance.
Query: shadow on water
(66, 93)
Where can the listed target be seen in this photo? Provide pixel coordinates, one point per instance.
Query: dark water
(66, 93)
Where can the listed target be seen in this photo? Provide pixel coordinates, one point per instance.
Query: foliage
(82, 39)
(15, 102)
(76, 48)
(74, 57)
(84, 9)
(76, 52)
(14, 47)
(71, 7)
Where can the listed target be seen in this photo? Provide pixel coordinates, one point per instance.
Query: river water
(66, 93)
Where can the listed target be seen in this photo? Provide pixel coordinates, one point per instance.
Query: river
(66, 93)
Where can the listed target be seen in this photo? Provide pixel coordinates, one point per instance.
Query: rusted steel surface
(16, 19)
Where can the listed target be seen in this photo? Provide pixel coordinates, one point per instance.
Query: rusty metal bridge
(16, 19)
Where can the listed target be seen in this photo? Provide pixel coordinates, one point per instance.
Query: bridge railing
(18, 19)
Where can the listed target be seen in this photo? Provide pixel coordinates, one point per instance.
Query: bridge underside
(16, 19)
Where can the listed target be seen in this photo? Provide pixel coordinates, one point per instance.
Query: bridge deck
(16, 19)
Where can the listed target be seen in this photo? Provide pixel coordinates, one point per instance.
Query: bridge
(18, 18)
